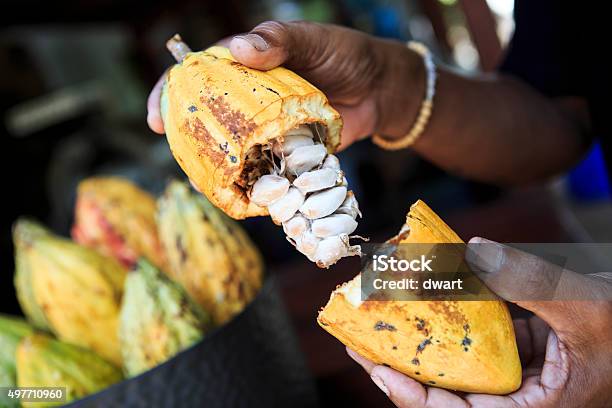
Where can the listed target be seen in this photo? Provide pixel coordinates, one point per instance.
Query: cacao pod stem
(177, 48)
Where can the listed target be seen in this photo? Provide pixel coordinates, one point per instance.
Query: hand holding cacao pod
(244, 136)
(433, 342)
(360, 74)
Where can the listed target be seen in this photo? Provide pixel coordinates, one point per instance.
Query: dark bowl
(252, 361)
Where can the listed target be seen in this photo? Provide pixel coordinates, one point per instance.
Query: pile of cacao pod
(141, 280)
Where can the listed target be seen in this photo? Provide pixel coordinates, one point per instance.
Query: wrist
(400, 89)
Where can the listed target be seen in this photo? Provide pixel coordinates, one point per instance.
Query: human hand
(376, 85)
(565, 349)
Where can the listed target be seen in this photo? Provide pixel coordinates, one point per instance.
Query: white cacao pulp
(307, 193)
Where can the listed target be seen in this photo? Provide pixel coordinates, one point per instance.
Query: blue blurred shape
(387, 22)
(588, 181)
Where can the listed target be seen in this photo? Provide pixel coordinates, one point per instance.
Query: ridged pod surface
(26, 232)
(12, 330)
(72, 290)
(117, 218)
(209, 254)
(460, 345)
(215, 110)
(46, 362)
(158, 319)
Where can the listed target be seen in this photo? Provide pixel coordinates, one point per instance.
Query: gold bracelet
(426, 106)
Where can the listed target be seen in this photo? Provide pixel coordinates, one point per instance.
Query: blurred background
(74, 77)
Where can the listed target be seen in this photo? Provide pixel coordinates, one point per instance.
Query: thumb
(294, 44)
(525, 279)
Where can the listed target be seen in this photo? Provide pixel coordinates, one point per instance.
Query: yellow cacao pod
(215, 110)
(76, 290)
(209, 254)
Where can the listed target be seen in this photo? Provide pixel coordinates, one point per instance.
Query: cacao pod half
(460, 345)
(217, 113)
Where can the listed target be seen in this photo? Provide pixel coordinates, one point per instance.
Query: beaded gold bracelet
(426, 107)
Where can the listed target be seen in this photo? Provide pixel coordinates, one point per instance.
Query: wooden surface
(524, 216)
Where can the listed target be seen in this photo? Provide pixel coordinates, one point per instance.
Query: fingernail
(351, 353)
(484, 255)
(380, 384)
(255, 40)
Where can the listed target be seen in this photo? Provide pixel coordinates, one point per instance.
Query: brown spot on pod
(232, 120)
(466, 342)
(207, 146)
(423, 344)
(380, 325)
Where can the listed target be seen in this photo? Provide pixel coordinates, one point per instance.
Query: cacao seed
(330, 250)
(268, 189)
(290, 143)
(334, 224)
(296, 226)
(307, 244)
(305, 158)
(323, 203)
(331, 162)
(349, 206)
(316, 180)
(286, 207)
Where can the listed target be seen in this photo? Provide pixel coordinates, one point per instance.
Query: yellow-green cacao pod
(158, 319)
(12, 330)
(75, 291)
(26, 232)
(45, 362)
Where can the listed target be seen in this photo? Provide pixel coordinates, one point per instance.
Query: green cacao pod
(45, 362)
(157, 319)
